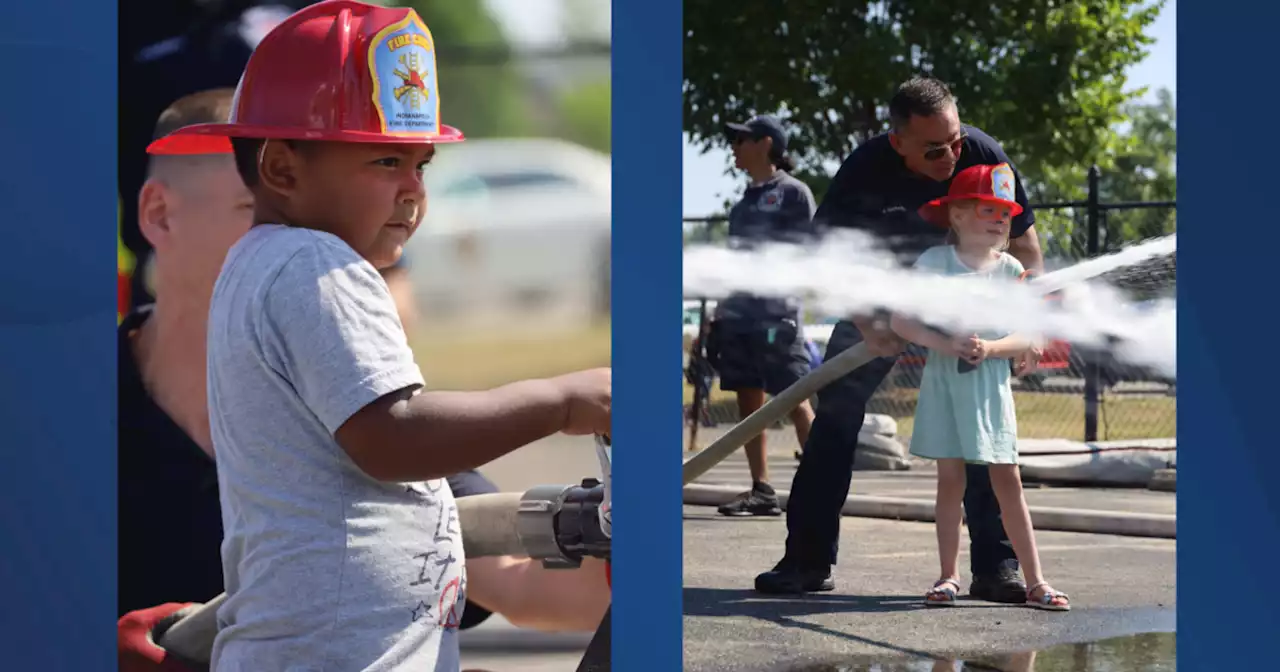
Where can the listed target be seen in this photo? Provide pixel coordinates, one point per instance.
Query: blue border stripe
(1228, 502)
(647, 579)
(57, 333)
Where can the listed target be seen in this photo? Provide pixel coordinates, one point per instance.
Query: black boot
(1005, 586)
(789, 578)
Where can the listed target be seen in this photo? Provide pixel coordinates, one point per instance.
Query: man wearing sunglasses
(878, 190)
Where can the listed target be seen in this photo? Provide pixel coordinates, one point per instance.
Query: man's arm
(1026, 249)
(531, 596)
(1024, 244)
(522, 591)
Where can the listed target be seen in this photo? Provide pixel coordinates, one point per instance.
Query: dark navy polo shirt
(874, 191)
(779, 210)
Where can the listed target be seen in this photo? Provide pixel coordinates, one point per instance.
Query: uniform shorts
(757, 354)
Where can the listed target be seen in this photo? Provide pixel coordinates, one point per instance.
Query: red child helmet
(994, 184)
(339, 70)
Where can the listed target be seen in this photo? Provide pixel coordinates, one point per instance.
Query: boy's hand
(589, 401)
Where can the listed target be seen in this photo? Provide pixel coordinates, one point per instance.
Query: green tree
(483, 100)
(1140, 168)
(1146, 171)
(1046, 78)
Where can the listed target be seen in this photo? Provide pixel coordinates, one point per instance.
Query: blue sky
(706, 186)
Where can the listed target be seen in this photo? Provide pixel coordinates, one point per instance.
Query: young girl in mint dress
(968, 415)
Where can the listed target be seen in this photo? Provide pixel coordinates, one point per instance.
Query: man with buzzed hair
(192, 209)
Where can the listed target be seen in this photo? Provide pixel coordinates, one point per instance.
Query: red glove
(137, 648)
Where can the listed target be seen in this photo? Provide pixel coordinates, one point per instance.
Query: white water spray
(848, 273)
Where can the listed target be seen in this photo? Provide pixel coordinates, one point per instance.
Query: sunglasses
(936, 152)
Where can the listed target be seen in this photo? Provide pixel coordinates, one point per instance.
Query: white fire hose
(856, 356)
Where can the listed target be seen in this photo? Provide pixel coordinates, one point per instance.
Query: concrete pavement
(1118, 586)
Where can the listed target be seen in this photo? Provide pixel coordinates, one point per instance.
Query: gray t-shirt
(779, 210)
(326, 569)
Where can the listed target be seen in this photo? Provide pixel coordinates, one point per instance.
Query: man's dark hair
(918, 97)
(212, 106)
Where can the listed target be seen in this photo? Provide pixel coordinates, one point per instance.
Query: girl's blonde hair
(954, 239)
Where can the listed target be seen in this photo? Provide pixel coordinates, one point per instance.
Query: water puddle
(1151, 652)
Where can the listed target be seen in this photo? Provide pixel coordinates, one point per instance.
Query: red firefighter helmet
(338, 70)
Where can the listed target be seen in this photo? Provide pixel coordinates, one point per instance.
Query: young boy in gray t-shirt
(341, 547)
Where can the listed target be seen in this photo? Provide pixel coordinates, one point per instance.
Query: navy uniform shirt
(779, 210)
(874, 191)
(167, 50)
(170, 518)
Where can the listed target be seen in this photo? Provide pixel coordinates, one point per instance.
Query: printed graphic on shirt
(770, 201)
(438, 571)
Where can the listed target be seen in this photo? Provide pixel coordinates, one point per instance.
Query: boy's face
(371, 196)
(981, 222)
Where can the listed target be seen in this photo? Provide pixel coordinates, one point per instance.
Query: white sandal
(943, 593)
(1050, 600)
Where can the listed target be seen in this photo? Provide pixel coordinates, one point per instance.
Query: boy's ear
(278, 165)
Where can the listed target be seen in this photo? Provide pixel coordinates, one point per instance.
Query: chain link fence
(1077, 394)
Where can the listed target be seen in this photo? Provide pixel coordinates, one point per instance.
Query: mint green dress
(967, 416)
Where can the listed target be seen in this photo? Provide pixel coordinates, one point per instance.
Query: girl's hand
(970, 348)
(982, 349)
(1027, 362)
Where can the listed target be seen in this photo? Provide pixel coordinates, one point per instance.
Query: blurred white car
(514, 228)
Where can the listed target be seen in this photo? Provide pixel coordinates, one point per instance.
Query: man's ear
(895, 141)
(278, 165)
(155, 202)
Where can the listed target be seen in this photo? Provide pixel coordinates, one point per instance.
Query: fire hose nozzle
(560, 525)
